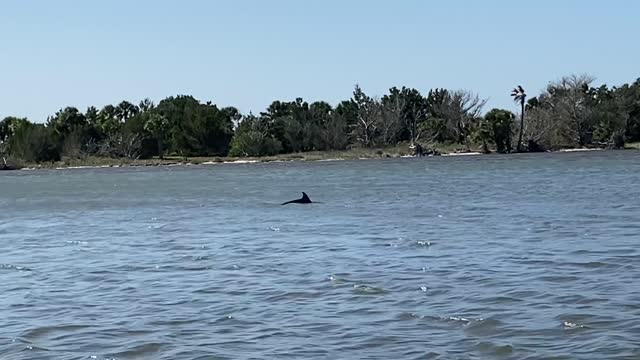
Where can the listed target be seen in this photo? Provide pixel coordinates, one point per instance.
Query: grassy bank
(400, 150)
(353, 154)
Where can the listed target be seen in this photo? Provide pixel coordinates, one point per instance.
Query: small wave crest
(568, 325)
(363, 289)
(14, 267)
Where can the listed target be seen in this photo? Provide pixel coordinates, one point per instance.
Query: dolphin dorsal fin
(305, 197)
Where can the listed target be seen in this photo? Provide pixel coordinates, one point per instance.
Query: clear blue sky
(247, 53)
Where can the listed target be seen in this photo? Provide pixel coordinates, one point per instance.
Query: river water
(469, 257)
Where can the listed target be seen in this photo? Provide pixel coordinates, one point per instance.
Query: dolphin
(303, 200)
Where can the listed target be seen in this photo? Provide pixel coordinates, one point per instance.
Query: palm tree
(519, 96)
(126, 110)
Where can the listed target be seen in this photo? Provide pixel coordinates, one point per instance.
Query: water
(499, 257)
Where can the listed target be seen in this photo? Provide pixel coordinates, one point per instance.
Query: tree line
(569, 113)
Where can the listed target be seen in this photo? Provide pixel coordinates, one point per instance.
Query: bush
(254, 143)
(35, 143)
(617, 140)
(533, 146)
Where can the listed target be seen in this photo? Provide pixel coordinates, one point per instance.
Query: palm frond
(518, 94)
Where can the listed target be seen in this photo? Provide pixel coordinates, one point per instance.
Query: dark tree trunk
(521, 126)
(485, 147)
(160, 150)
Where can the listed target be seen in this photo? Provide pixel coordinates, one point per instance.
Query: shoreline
(99, 163)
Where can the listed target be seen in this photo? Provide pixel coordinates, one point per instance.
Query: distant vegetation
(569, 113)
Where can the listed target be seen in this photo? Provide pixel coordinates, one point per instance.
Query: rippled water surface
(493, 257)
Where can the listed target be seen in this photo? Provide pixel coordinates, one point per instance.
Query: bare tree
(567, 102)
(403, 110)
(393, 116)
(3, 154)
(415, 119)
(367, 118)
(572, 106)
(126, 145)
(540, 130)
(460, 110)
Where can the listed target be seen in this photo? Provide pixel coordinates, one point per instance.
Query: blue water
(476, 257)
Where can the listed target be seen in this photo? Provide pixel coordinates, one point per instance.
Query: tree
(4, 154)
(328, 128)
(252, 138)
(275, 119)
(435, 125)
(92, 115)
(610, 117)
(569, 112)
(540, 128)
(334, 132)
(416, 113)
(32, 142)
(125, 110)
(233, 114)
(393, 115)
(300, 129)
(368, 113)
(4, 129)
(146, 105)
(196, 129)
(459, 112)
(519, 96)
(499, 123)
(483, 133)
(158, 126)
(65, 120)
(568, 101)
(123, 145)
(108, 121)
(293, 133)
(628, 96)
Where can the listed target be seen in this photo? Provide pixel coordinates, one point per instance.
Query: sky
(248, 53)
